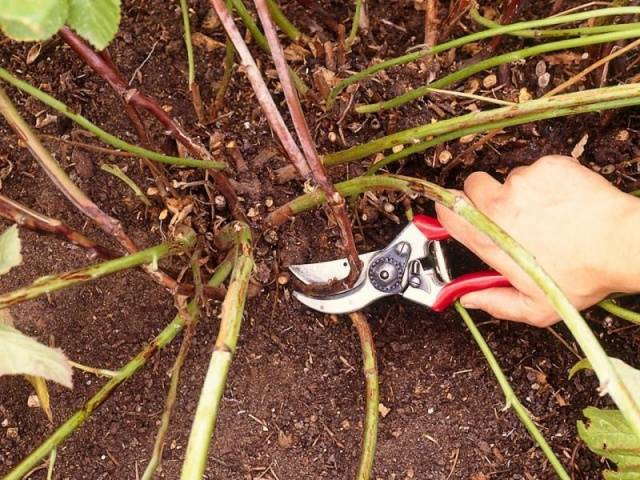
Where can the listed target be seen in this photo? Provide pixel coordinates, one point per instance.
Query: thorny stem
(139, 100)
(576, 102)
(53, 283)
(260, 39)
(372, 396)
(192, 316)
(624, 313)
(335, 200)
(509, 394)
(260, 88)
(495, 61)
(136, 363)
(77, 197)
(218, 102)
(25, 217)
(347, 188)
(98, 132)
(474, 37)
(231, 314)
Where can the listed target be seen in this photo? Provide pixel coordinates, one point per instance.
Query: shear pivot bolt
(414, 282)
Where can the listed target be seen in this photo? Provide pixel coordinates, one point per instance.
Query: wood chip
(201, 40)
(384, 411)
(489, 81)
(578, 150)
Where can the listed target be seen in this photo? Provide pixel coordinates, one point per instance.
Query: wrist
(623, 247)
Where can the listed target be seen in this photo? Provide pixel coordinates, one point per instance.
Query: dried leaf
(578, 150)
(40, 386)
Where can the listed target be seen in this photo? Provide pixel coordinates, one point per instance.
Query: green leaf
(22, 355)
(609, 435)
(29, 20)
(583, 364)
(10, 247)
(95, 20)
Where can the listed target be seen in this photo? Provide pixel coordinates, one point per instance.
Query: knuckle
(550, 161)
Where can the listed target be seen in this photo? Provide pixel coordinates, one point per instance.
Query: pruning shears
(413, 265)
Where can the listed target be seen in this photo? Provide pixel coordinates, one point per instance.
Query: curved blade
(349, 301)
(324, 272)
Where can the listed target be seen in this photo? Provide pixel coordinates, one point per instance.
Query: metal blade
(324, 272)
(346, 302)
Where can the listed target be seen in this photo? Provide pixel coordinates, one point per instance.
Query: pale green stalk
(372, 396)
(231, 314)
(289, 29)
(53, 283)
(117, 172)
(620, 312)
(126, 372)
(52, 463)
(184, 8)
(101, 134)
(475, 37)
(354, 25)
(510, 396)
(565, 32)
(494, 62)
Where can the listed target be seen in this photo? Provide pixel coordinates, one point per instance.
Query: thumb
(510, 304)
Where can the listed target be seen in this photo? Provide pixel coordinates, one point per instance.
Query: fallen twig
(431, 23)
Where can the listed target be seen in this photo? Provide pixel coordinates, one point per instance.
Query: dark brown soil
(293, 406)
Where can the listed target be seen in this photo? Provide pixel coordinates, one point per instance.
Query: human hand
(582, 230)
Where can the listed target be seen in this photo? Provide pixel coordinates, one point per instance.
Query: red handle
(471, 282)
(430, 227)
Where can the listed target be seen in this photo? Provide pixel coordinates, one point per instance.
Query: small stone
(271, 237)
(12, 432)
(252, 213)
(524, 96)
(82, 163)
(384, 411)
(283, 278)
(332, 137)
(541, 68)
(490, 81)
(623, 135)
(163, 214)
(468, 138)
(219, 202)
(607, 169)
(388, 207)
(33, 401)
(5, 423)
(268, 202)
(397, 148)
(346, 425)
(444, 157)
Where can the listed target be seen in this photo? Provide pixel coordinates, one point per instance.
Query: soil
(293, 405)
